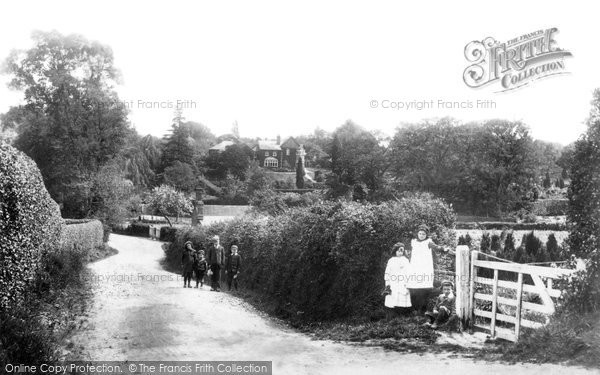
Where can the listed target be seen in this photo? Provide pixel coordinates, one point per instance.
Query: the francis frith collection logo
(514, 63)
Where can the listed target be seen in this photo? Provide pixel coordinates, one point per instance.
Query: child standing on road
(215, 258)
(232, 267)
(200, 267)
(187, 264)
(397, 295)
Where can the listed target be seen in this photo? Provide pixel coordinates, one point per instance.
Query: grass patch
(570, 338)
(33, 332)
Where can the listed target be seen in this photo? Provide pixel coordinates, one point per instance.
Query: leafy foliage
(30, 223)
(358, 162)
(166, 201)
(584, 214)
(73, 121)
(486, 168)
(325, 261)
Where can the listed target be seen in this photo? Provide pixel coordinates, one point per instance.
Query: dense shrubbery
(274, 203)
(325, 261)
(168, 234)
(82, 235)
(42, 262)
(134, 229)
(30, 223)
(551, 207)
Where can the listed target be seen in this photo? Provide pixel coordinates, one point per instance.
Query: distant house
(268, 154)
(220, 147)
(274, 154)
(289, 152)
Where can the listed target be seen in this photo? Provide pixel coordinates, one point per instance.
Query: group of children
(218, 264)
(409, 283)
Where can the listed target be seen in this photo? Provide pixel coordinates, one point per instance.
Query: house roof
(291, 142)
(268, 146)
(221, 146)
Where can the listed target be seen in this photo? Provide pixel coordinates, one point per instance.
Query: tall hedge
(30, 223)
(325, 261)
(82, 235)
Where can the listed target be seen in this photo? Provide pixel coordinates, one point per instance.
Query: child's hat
(187, 243)
(423, 228)
(448, 283)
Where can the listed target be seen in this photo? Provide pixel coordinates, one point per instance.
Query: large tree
(488, 167)
(72, 121)
(583, 216)
(358, 161)
(584, 191)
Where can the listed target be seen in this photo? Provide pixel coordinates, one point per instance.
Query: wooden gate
(517, 295)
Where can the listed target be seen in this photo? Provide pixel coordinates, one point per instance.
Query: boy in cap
(200, 267)
(233, 265)
(187, 264)
(444, 306)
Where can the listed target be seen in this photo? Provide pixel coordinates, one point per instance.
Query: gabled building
(274, 154)
(268, 154)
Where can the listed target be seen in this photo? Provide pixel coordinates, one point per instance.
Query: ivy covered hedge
(30, 223)
(326, 261)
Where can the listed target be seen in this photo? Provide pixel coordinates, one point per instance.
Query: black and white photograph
(299, 187)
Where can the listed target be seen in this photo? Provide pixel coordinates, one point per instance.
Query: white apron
(396, 274)
(421, 265)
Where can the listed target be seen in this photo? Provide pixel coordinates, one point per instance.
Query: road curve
(142, 312)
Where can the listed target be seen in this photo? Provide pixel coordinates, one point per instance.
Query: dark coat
(234, 263)
(187, 261)
(215, 255)
(200, 264)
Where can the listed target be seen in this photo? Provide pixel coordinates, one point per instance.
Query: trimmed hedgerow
(30, 223)
(326, 261)
(82, 235)
(168, 234)
(501, 225)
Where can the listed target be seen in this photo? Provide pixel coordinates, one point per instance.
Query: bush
(168, 234)
(82, 235)
(24, 338)
(30, 223)
(139, 229)
(325, 261)
(551, 207)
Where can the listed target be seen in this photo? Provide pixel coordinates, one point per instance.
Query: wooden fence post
(472, 275)
(462, 285)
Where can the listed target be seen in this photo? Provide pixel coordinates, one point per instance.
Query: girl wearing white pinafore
(396, 273)
(420, 277)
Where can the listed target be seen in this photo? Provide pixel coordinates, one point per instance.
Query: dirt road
(141, 312)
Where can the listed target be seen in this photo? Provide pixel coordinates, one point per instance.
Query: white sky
(288, 67)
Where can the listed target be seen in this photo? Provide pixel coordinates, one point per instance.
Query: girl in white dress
(396, 277)
(420, 277)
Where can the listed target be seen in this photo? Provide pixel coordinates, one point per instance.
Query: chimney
(278, 139)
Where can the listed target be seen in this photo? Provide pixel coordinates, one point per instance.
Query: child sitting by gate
(444, 306)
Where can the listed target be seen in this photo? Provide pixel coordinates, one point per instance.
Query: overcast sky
(287, 67)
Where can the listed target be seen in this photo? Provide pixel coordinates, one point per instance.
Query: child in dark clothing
(232, 267)
(200, 267)
(187, 263)
(444, 306)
